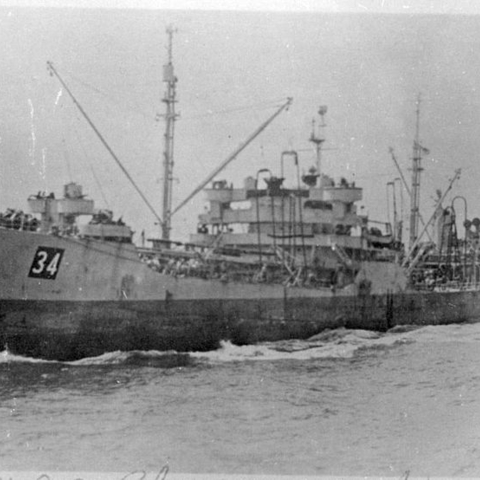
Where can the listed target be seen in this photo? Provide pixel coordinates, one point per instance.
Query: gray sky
(233, 66)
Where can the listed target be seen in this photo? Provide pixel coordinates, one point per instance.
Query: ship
(268, 262)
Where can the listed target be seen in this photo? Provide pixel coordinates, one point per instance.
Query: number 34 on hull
(46, 263)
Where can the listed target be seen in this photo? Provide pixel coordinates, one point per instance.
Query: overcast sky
(234, 67)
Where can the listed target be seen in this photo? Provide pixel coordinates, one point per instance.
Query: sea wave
(459, 332)
(335, 344)
(7, 357)
(150, 358)
(342, 343)
(339, 343)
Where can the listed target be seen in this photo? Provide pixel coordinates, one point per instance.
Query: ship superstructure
(315, 226)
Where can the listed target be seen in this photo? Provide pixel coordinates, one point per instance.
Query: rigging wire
(257, 107)
(111, 99)
(104, 142)
(260, 106)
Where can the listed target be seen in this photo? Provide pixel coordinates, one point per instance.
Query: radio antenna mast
(418, 151)
(170, 116)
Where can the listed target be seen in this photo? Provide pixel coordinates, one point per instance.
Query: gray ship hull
(64, 298)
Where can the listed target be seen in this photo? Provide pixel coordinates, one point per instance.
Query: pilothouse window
(318, 205)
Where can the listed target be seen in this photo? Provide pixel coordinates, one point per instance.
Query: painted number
(46, 263)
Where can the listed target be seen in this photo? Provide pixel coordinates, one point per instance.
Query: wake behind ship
(267, 262)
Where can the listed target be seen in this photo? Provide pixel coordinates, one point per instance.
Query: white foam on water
(340, 343)
(118, 357)
(110, 358)
(7, 357)
(104, 359)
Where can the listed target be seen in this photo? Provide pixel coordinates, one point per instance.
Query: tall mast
(418, 150)
(170, 116)
(318, 140)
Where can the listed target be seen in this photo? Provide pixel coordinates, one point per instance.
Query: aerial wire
(104, 142)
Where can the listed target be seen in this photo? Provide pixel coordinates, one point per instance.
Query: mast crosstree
(318, 140)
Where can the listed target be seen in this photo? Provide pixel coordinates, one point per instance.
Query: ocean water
(345, 403)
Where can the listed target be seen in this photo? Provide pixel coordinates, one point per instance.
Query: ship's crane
(234, 154)
(407, 188)
(410, 255)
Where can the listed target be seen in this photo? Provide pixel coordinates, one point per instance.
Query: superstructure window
(318, 205)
